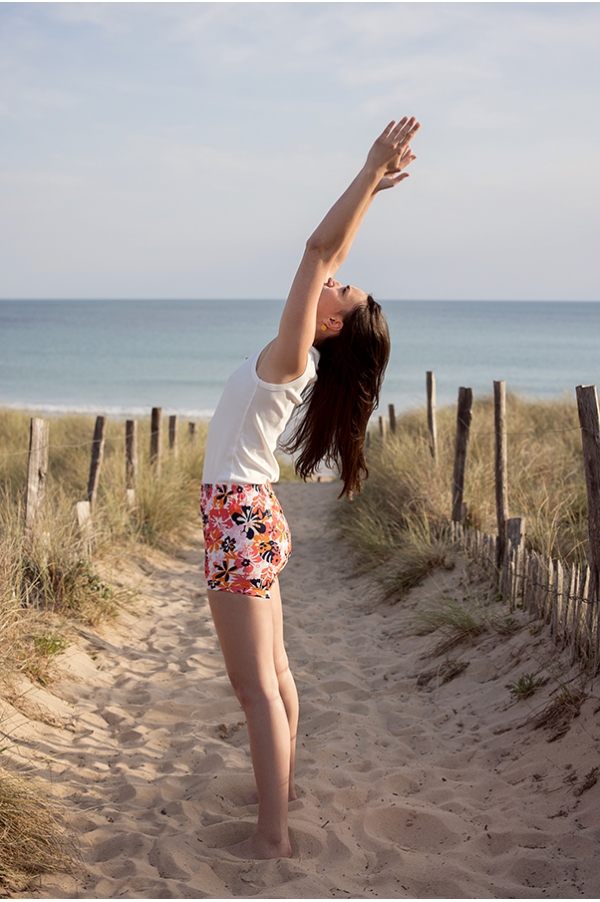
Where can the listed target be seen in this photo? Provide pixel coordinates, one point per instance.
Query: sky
(188, 150)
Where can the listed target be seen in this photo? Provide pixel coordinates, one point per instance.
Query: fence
(37, 469)
(564, 597)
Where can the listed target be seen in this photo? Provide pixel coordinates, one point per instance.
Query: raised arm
(285, 358)
(392, 177)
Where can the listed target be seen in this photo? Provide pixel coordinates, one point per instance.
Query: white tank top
(250, 417)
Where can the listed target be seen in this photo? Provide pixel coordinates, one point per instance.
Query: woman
(341, 332)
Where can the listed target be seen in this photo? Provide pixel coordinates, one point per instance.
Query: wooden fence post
(83, 510)
(392, 413)
(155, 440)
(173, 435)
(37, 470)
(514, 560)
(96, 461)
(501, 466)
(131, 461)
(463, 425)
(589, 420)
(192, 431)
(382, 428)
(431, 418)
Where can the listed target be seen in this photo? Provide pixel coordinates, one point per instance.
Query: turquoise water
(124, 357)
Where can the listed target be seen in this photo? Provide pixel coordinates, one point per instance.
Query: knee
(283, 672)
(250, 694)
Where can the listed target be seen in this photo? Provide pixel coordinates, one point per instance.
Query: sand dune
(409, 787)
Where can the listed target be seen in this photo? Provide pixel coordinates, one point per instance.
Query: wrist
(373, 172)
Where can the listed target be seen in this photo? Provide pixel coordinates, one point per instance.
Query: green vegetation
(526, 685)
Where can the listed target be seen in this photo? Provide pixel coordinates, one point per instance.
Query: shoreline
(118, 413)
(123, 358)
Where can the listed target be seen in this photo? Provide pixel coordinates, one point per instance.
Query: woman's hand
(393, 173)
(390, 146)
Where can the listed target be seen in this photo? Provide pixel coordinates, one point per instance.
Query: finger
(387, 130)
(400, 125)
(408, 132)
(403, 126)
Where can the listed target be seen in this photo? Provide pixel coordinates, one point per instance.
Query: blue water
(124, 357)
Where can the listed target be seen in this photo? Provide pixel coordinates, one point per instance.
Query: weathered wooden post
(131, 461)
(83, 510)
(589, 420)
(463, 425)
(382, 428)
(155, 440)
(392, 413)
(501, 467)
(173, 435)
(37, 470)
(513, 561)
(558, 606)
(431, 417)
(96, 461)
(192, 431)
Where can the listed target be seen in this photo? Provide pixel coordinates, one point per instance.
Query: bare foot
(255, 848)
(252, 798)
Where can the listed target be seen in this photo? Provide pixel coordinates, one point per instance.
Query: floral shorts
(246, 537)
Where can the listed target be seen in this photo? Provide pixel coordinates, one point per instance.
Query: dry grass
(456, 622)
(445, 672)
(396, 521)
(32, 835)
(52, 579)
(556, 717)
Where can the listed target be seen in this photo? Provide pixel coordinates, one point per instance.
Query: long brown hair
(333, 418)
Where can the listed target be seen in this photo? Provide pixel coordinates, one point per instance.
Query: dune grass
(53, 571)
(396, 521)
(33, 839)
(53, 578)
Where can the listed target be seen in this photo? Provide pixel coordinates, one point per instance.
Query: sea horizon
(123, 357)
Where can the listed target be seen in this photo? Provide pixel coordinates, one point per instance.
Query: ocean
(124, 357)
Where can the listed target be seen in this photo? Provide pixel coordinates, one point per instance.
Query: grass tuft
(557, 716)
(526, 685)
(457, 621)
(32, 836)
(447, 671)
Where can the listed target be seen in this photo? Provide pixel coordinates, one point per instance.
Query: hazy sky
(188, 149)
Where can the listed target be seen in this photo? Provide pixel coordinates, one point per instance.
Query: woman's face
(337, 300)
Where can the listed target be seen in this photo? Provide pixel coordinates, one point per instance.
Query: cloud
(149, 142)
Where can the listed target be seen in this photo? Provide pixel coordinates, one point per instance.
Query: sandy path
(405, 790)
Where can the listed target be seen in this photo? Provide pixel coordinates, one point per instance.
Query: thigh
(244, 625)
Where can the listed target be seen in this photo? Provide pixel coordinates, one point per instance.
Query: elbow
(316, 247)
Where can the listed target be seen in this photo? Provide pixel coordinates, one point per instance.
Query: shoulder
(269, 374)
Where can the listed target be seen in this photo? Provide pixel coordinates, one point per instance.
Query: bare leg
(287, 688)
(244, 626)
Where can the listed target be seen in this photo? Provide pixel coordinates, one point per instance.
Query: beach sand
(409, 787)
